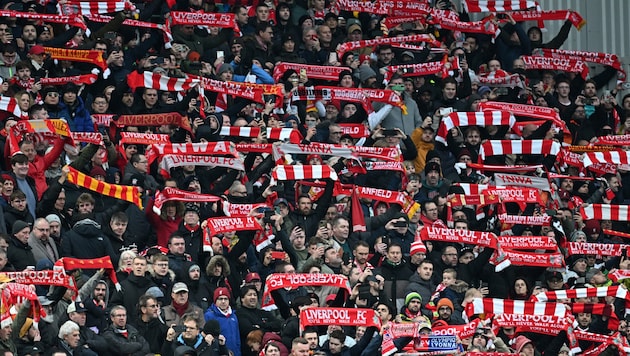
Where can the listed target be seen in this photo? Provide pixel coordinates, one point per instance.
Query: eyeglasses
(151, 306)
(42, 230)
(52, 94)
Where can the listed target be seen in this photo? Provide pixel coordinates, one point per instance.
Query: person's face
(305, 205)
(567, 185)
(473, 137)
(414, 305)
(191, 330)
(266, 35)
(177, 246)
(361, 254)
(520, 287)
(100, 291)
(394, 254)
(449, 91)
(161, 268)
(78, 318)
(69, 97)
(86, 207)
(250, 300)
(24, 100)
(29, 34)
(335, 345)
(99, 105)
(180, 297)
(325, 34)
(298, 350)
(3, 259)
(22, 235)
(614, 184)
(348, 111)
(341, 229)
(127, 99)
(41, 230)
(150, 97)
(494, 65)
(19, 204)
(24, 74)
(386, 56)
(72, 339)
(431, 211)
(448, 279)
(445, 312)
(449, 256)
(590, 90)
(139, 267)
(313, 340)
(332, 257)
(7, 187)
(151, 309)
(191, 218)
(29, 150)
(262, 13)
(142, 165)
(118, 227)
(222, 303)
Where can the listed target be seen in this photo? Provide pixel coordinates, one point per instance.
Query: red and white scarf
(530, 111)
(598, 249)
(290, 172)
(612, 140)
(508, 81)
(516, 195)
(211, 19)
(614, 157)
(563, 15)
(610, 291)
(199, 148)
(295, 280)
(174, 194)
(159, 81)
(339, 316)
(217, 226)
(351, 46)
(429, 233)
(380, 153)
(607, 59)
(504, 306)
(356, 95)
(542, 220)
(8, 104)
(232, 209)
(605, 212)
(355, 130)
(93, 7)
(415, 70)
(527, 242)
(478, 118)
(171, 161)
(312, 71)
(473, 189)
(86, 79)
(166, 32)
(72, 20)
(498, 5)
(518, 147)
(567, 64)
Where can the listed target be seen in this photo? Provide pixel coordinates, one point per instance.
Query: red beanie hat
(219, 292)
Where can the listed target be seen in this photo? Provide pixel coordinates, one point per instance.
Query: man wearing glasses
(42, 245)
(150, 326)
(124, 339)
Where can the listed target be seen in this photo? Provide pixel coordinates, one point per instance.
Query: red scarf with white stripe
(516, 147)
(312, 71)
(296, 280)
(607, 59)
(610, 291)
(505, 306)
(605, 212)
(507, 81)
(86, 79)
(614, 157)
(199, 148)
(72, 20)
(416, 70)
(10, 105)
(530, 111)
(174, 194)
(290, 172)
(472, 6)
(351, 46)
(478, 118)
(527, 242)
(598, 249)
(93, 7)
(519, 258)
(211, 19)
(573, 16)
(171, 161)
(566, 64)
(612, 140)
(364, 96)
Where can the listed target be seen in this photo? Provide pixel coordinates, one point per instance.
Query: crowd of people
(281, 90)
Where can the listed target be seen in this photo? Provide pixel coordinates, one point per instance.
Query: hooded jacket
(229, 328)
(86, 241)
(20, 255)
(132, 289)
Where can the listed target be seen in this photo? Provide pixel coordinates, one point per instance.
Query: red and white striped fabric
(615, 157)
(473, 189)
(610, 291)
(10, 105)
(605, 212)
(504, 306)
(92, 7)
(159, 82)
(514, 147)
(478, 118)
(283, 134)
(289, 172)
(499, 5)
(237, 131)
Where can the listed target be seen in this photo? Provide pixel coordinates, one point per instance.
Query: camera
(390, 132)
(588, 101)
(268, 215)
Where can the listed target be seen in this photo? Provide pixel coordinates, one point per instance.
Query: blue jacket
(79, 118)
(229, 328)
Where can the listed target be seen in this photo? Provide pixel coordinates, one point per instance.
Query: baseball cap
(76, 307)
(354, 27)
(37, 49)
(179, 287)
(251, 277)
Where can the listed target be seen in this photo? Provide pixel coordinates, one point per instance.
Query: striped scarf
(127, 193)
